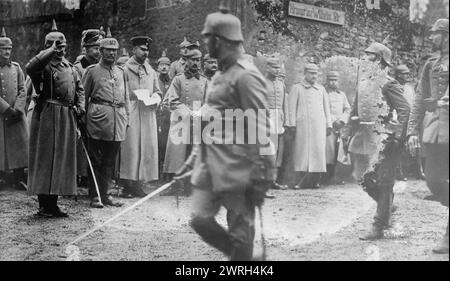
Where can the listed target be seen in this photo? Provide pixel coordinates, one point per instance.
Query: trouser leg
(205, 207)
(103, 154)
(384, 207)
(361, 164)
(241, 228)
(436, 170)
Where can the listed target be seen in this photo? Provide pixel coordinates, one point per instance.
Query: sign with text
(316, 13)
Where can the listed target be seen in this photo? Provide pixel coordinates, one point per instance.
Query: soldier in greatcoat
(139, 151)
(431, 110)
(53, 133)
(309, 122)
(187, 90)
(13, 125)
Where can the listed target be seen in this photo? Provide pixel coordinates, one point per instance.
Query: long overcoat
(183, 92)
(309, 112)
(139, 151)
(14, 137)
(52, 161)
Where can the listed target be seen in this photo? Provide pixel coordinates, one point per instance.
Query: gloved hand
(338, 124)
(329, 131)
(184, 174)
(12, 116)
(257, 192)
(431, 104)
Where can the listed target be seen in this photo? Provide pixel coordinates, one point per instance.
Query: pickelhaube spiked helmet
(55, 35)
(164, 58)
(5, 42)
(109, 42)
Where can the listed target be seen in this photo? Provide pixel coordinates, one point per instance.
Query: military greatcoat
(14, 137)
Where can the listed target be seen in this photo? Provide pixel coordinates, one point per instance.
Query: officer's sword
(263, 239)
(88, 159)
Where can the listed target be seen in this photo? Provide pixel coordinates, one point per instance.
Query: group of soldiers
(127, 114)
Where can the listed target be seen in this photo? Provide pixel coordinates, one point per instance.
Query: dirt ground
(298, 225)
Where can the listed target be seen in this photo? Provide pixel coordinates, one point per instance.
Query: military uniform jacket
(185, 90)
(278, 104)
(80, 66)
(13, 138)
(107, 102)
(177, 67)
(433, 85)
(225, 163)
(52, 164)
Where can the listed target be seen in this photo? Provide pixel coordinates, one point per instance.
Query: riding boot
(375, 233)
(442, 248)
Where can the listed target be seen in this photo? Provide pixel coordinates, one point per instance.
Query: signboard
(316, 13)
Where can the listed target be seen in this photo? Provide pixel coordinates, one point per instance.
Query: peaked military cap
(141, 40)
(91, 37)
(402, 69)
(311, 67)
(195, 53)
(333, 75)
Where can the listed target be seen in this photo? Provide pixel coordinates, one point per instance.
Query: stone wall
(168, 25)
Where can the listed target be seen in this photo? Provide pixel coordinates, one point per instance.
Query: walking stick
(88, 158)
(263, 240)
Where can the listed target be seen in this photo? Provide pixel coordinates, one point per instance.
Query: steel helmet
(381, 50)
(223, 24)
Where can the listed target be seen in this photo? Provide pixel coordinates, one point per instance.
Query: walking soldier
(378, 181)
(13, 125)
(107, 118)
(139, 151)
(52, 162)
(431, 110)
(235, 176)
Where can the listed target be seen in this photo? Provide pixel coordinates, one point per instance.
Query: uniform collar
(63, 62)
(189, 74)
(104, 65)
(8, 63)
(308, 85)
(134, 66)
(85, 62)
(227, 62)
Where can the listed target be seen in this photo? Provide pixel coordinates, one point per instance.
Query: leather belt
(107, 103)
(60, 102)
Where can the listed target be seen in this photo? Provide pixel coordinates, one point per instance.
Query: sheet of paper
(144, 96)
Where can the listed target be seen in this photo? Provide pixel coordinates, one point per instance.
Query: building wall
(168, 21)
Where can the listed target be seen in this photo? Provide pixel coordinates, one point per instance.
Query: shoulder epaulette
(245, 64)
(15, 63)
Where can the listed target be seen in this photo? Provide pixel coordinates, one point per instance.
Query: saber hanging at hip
(97, 190)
